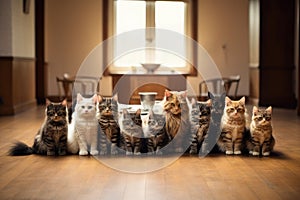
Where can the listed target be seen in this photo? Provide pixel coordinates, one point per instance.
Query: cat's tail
(20, 149)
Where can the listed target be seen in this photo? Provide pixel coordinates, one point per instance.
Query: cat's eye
(172, 104)
(82, 107)
(260, 118)
(90, 107)
(240, 110)
(267, 118)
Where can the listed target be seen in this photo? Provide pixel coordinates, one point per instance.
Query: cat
(107, 116)
(177, 118)
(214, 130)
(233, 126)
(51, 139)
(131, 132)
(261, 139)
(199, 122)
(155, 133)
(82, 134)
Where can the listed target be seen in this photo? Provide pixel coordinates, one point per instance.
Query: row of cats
(98, 127)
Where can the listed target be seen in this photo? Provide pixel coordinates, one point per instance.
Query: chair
(219, 86)
(67, 85)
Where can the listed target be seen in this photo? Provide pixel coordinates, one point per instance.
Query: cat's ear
(95, 98)
(210, 95)
(100, 98)
(79, 97)
(64, 102)
(115, 97)
(184, 94)
(138, 112)
(168, 93)
(255, 110)
(242, 101)
(193, 101)
(209, 102)
(227, 101)
(269, 109)
(48, 102)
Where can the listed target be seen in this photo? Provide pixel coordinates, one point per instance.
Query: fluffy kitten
(233, 126)
(82, 134)
(51, 139)
(108, 120)
(177, 118)
(199, 120)
(131, 132)
(262, 140)
(155, 133)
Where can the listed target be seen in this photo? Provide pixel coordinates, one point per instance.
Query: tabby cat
(177, 118)
(108, 120)
(155, 133)
(199, 120)
(233, 125)
(51, 139)
(262, 140)
(82, 134)
(131, 132)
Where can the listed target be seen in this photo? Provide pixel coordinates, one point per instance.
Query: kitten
(199, 120)
(131, 132)
(51, 139)
(177, 118)
(214, 130)
(262, 140)
(233, 125)
(155, 133)
(82, 134)
(108, 120)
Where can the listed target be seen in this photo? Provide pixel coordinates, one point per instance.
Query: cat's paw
(128, 153)
(179, 150)
(103, 152)
(62, 153)
(255, 153)
(50, 153)
(94, 152)
(137, 153)
(228, 152)
(83, 153)
(150, 153)
(159, 152)
(193, 151)
(266, 153)
(114, 151)
(237, 152)
(251, 152)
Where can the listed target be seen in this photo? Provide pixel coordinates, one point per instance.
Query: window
(128, 15)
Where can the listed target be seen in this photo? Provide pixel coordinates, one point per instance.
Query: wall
(73, 31)
(224, 33)
(17, 52)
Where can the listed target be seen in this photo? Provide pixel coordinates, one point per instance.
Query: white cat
(82, 132)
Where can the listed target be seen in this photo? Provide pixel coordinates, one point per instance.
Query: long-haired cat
(233, 125)
(108, 120)
(131, 132)
(199, 122)
(51, 139)
(261, 140)
(155, 133)
(82, 134)
(177, 118)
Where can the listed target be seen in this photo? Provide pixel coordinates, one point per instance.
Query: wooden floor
(214, 177)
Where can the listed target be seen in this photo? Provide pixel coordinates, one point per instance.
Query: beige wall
(73, 29)
(224, 33)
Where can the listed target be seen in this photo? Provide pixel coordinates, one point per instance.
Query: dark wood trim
(40, 51)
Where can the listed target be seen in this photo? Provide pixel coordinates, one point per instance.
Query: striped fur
(199, 120)
(261, 141)
(108, 121)
(233, 125)
(51, 139)
(156, 134)
(131, 132)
